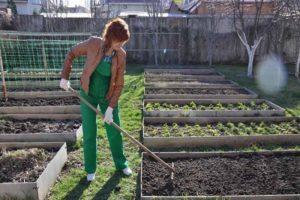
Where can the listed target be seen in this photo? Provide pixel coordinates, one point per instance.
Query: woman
(102, 81)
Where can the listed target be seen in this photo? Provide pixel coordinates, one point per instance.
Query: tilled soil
(192, 82)
(196, 91)
(29, 89)
(174, 78)
(23, 165)
(239, 175)
(166, 73)
(60, 101)
(12, 126)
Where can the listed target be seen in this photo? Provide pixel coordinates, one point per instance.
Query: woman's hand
(64, 84)
(108, 118)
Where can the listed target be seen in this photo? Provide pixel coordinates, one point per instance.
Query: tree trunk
(251, 54)
(297, 70)
(210, 50)
(250, 50)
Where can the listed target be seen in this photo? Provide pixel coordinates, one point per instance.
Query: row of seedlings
(35, 128)
(193, 120)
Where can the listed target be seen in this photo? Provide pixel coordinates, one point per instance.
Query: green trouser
(98, 88)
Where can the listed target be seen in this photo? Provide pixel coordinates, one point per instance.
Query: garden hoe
(123, 131)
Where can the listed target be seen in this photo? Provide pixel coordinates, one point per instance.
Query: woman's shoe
(127, 171)
(90, 177)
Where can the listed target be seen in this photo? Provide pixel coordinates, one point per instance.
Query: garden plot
(186, 78)
(182, 71)
(28, 170)
(198, 93)
(38, 92)
(195, 84)
(222, 175)
(42, 84)
(40, 130)
(220, 132)
(40, 106)
(210, 108)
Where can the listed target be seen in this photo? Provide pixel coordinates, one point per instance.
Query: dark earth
(240, 175)
(13, 126)
(29, 89)
(174, 78)
(60, 101)
(24, 165)
(198, 91)
(195, 82)
(181, 73)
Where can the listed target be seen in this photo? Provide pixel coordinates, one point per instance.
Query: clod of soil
(60, 101)
(12, 126)
(197, 91)
(23, 165)
(252, 174)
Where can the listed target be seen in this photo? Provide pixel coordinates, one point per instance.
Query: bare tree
(287, 24)
(252, 24)
(154, 9)
(293, 12)
(215, 16)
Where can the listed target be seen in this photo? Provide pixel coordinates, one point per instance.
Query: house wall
(25, 8)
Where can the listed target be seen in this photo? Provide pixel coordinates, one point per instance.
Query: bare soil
(60, 101)
(11, 126)
(29, 89)
(252, 174)
(23, 165)
(198, 91)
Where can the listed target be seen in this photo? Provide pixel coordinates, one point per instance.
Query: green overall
(98, 87)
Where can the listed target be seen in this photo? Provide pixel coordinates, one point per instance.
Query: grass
(288, 98)
(110, 185)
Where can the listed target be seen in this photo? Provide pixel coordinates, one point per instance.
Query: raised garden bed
(190, 93)
(40, 130)
(40, 106)
(184, 78)
(47, 84)
(41, 101)
(210, 108)
(222, 175)
(28, 170)
(183, 71)
(23, 93)
(196, 84)
(220, 132)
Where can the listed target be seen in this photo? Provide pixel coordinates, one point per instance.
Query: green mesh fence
(33, 61)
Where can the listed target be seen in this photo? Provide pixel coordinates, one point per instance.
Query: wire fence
(33, 61)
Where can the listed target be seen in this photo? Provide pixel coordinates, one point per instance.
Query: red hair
(115, 30)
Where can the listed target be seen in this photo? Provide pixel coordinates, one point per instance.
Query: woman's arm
(119, 83)
(77, 50)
